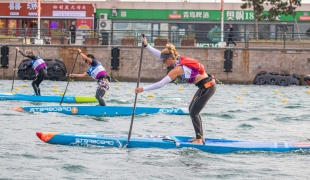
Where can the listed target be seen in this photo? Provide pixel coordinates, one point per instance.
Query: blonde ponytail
(170, 49)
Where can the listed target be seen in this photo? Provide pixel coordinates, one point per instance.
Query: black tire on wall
(274, 73)
(55, 68)
(24, 74)
(54, 78)
(296, 76)
(283, 80)
(262, 73)
(25, 77)
(274, 78)
(294, 79)
(260, 78)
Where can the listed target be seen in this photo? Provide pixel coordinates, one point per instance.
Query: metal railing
(132, 37)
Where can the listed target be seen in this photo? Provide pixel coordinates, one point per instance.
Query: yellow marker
(55, 86)
(150, 95)
(116, 87)
(17, 89)
(275, 90)
(180, 89)
(24, 85)
(243, 90)
(284, 100)
(92, 91)
(308, 91)
(280, 94)
(55, 90)
(239, 98)
(12, 92)
(87, 86)
(61, 94)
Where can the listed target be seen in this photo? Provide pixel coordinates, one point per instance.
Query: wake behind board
(101, 110)
(66, 99)
(220, 146)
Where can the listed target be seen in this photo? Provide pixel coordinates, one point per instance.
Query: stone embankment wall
(247, 62)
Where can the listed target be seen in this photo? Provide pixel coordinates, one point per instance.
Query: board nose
(46, 136)
(39, 134)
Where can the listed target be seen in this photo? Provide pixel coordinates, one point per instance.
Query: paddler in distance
(97, 72)
(39, 67)
(185, 69)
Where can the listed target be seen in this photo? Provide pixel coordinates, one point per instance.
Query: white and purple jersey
(37, 64)
(189, 74)
(96, 70)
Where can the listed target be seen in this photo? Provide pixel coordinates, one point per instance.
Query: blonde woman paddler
(188, 70)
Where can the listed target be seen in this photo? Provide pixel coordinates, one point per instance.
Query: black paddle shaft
(135, 103)
(77, 55)
(14, 71)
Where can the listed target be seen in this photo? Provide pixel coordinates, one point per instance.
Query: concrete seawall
(247, 62)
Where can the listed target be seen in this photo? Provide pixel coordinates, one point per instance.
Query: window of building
(45, 28)
(12, 27)
(2, 26)
(66, 24)
(54, 24)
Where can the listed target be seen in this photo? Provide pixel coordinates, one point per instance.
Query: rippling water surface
(261, 115)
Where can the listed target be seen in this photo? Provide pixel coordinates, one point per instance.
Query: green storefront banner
(207, 45)
(193, 15)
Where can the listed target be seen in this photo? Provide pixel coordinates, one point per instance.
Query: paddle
(134, 106)
(14, 71)
(77, 55)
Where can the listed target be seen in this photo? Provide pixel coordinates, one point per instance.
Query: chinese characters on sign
(242, 16)
(69, 13)
(203, 15)
(17, 6)
(32, 5)
(229, 15)
(69, 7)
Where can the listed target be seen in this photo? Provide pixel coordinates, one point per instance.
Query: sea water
(242, 112)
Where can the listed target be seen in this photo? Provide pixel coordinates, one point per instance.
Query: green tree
(258, 8)
(286, 7)
(276, 8)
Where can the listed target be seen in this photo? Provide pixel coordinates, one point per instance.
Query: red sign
(15, 9)
(304, 18)
(175, 16)
(84, 23)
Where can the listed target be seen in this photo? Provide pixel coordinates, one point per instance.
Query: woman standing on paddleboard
(188, 70)
(97, 72)
(39, 67)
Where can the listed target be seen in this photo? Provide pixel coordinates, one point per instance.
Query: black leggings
(99, 94)
(72, 38)
(37, 81)
(230, 39)
(199, 101)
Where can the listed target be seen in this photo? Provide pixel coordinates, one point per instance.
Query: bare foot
(194, 139)
(197, 141)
